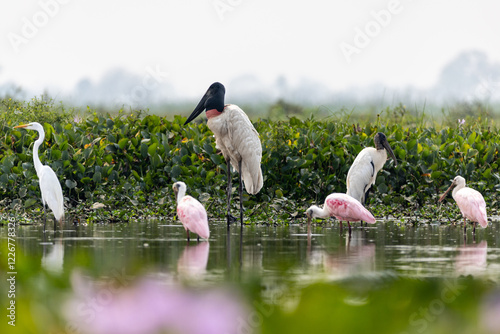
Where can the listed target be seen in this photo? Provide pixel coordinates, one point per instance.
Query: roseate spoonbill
(191, 213)
(470, 202)
(364, 169)
(238, 140)
(49, 183)
(343, 207)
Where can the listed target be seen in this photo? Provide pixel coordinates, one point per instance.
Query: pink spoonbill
(238, 140)
(470, 202)
(364, 169)
(343, 207)
(191, 213)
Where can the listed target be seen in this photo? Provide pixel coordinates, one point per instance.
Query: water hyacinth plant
(129, 160)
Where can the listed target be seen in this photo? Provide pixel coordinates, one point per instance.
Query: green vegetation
(128, 161)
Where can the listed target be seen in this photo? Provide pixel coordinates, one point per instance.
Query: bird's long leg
(44, 217)
(474, 228)
(465, 225)
(349, 224)
(55, 226)
(230, 218)
(241, 193)
(187, 233)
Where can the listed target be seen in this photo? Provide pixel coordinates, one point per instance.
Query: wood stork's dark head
(381, 143)
(213, 99)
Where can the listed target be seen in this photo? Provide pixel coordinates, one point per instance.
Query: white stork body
(363, 172)
(237, 138)
(364, 169)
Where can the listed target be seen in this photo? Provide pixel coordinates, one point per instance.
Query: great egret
(49, 183)
(191, 213)
(470, 202)
(238, 140)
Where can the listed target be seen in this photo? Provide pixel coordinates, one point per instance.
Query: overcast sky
(53, 44)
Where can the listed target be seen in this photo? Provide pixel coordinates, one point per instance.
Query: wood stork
(470, 202)
(341, 206)
(191, 213)
(50, 187)
(238, 140)
(364, 169)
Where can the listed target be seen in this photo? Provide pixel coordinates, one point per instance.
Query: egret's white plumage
(364, 169)
(470, 202)
(236, 137)
(50, 187)
(191, 213)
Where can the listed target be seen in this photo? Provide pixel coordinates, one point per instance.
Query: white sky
(189, 40)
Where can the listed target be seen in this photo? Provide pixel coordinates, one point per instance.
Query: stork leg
(230, 219)
(241, 193)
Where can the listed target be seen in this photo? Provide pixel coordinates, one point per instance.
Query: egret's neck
(36, 159)
(180, 194)
(319, 212)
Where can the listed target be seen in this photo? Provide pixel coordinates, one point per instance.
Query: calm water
(276, 254)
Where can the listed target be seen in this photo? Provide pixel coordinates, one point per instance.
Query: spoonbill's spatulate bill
(50, 187)
(191, 213)
(470, 202)
(364, 169)
(343, 207)
(237, 139)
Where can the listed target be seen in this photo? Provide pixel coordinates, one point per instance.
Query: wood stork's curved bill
(381, 143)
(213, 99)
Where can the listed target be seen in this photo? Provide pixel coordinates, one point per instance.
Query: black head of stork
(213, 99)
(381, 143)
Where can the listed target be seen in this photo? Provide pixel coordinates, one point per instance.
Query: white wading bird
(191, 213)
(364, 169)
(236, 137)
(470, 202)
(49, 183)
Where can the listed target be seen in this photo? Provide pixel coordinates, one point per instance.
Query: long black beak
(199, 108)
(389, 149)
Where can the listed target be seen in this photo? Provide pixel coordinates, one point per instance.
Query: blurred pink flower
(151, 307)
